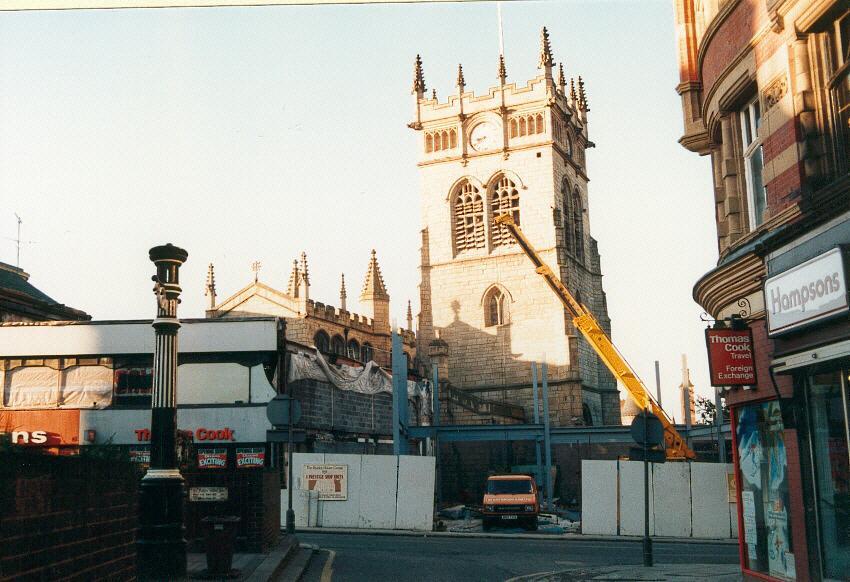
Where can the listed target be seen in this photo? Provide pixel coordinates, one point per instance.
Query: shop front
(57, 431)
(808, 318)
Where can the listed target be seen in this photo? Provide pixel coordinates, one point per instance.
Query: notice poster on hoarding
(201, 494)
(730, 357)
(330, 482)
(141, 455)
(748, 512)
(212, 458)
(253, 458)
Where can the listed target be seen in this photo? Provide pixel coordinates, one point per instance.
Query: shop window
(763, 485)
(750, 119)
(839, 89)
(826, 401)
(133, 384)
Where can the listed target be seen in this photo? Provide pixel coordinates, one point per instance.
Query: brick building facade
(765, 94)
(485, 314)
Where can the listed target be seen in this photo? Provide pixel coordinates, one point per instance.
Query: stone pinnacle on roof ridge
(373, 286)
(210, 285)
(418, 76)
(342, 292)
(562, 80)
(503, 73)
(546, 60)
(461, 82)
(305, 273)
(572, 90)
(294, 276)
(433, 94)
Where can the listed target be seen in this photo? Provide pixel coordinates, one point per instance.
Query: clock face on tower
(484, 137)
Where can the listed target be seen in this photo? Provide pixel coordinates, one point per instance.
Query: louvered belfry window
(504, 200)
(469, 219)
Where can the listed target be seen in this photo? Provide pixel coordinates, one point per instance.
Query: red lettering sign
(201, 434)
(250, 458)
(730, 357)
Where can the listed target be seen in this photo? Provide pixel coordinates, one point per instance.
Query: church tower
(518, 150)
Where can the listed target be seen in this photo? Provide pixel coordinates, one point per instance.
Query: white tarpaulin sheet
(44, 387)
(31, 387)
(86, 387)
(370, 379)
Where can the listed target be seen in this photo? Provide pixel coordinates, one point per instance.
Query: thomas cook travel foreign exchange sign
(810, 291)
(730, 357)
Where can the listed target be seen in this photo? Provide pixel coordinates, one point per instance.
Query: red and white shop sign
(730, 357)
(212, 458)
(250, 458)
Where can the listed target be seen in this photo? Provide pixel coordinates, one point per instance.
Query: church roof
(15, 285)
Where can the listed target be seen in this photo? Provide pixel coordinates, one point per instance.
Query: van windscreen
(509, 486)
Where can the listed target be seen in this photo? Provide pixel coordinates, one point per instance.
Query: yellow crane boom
(583, 319)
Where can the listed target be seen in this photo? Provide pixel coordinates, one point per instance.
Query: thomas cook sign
(810, 291)
(730, 357)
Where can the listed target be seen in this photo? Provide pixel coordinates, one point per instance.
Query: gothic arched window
(514, 128)
(586, 415)
(540, 127)
(453, 139)
(522, 126)
(353, 349)
(338, 345)
(504, 200)
(429, 143)
(366, 353)
(578, 227)
(468, 210)
(495, 307)
(322, 342)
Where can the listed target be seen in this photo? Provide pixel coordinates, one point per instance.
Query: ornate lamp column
(161, 546)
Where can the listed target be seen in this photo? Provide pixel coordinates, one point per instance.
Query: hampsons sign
(730, 357)
(808, 292)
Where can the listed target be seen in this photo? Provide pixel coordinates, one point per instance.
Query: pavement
(658, 573)
(286, 562)
(363, 556)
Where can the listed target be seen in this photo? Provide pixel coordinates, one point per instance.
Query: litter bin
(220, 533)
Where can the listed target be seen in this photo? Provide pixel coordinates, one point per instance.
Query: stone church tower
(485, 314)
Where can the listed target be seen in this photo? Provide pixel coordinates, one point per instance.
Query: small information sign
(140, 455)
(207, 493)
(329, 481)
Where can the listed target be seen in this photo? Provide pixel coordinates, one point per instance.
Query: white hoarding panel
(710, 500)
(211, 383)
(631, 499)
(415, 504)
(672, 491)
(599, 497)
(378, 474)
(343, 513)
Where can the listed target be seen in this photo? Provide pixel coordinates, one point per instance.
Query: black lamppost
(161, 546)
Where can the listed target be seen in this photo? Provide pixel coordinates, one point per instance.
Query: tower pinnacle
(342, 293)
(582, 96)
(294, 280)
(503, 73)
(461, 82)
(573, 97)
(546, 60)
(409, 316)
(305, 276)
(210, 287)
(418, 78)
(562, 81)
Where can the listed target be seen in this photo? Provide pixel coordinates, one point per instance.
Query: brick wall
(253, 496)
(731, 37)
(327, 408)
(66, 518)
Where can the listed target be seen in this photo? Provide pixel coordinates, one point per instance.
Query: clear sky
(249, 134)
